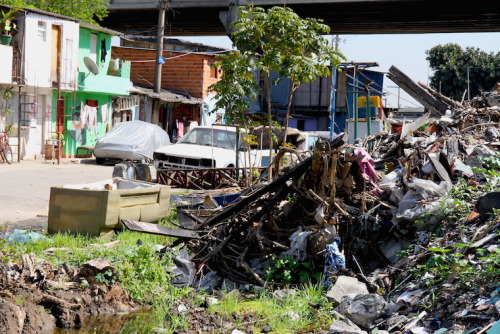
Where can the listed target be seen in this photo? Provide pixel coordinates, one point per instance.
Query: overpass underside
(201, 18)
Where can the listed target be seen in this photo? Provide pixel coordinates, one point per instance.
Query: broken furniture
(97, 208)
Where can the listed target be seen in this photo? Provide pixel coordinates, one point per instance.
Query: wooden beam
(434, 105)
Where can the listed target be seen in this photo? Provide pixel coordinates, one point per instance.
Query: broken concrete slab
(346, 285)
(341, 327)
(362, 309)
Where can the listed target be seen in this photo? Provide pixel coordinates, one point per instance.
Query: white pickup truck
(209, 147)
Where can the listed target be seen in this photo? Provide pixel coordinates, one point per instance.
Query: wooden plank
(434, 105)
(483, 241)
(150, 228)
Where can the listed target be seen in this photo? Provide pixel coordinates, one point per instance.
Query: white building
(44, 50)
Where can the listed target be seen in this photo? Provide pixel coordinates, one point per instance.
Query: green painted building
(85, 115)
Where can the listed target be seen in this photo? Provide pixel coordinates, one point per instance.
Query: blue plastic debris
(334, 259)
(226, 199)
(441, 331)
(24, 236)
(495, 329)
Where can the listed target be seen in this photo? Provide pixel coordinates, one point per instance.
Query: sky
(407, 52)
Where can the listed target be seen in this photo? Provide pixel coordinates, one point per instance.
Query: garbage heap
(391, 212)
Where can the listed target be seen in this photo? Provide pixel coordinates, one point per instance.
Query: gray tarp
(134, 140)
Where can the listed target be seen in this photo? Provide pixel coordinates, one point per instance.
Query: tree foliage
(456, 68)
(85, 10)
(274, 40)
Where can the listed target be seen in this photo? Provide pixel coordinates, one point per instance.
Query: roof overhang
(166, 96)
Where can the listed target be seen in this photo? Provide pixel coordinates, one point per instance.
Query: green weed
(450, 264)
(290, 271)
(309, 303)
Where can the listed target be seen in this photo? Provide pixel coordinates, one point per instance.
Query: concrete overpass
(202, 17)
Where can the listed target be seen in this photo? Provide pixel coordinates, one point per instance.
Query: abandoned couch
(98, 207)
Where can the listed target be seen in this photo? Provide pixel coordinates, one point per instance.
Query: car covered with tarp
(133, 140)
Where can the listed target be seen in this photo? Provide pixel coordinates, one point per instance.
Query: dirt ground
(25, 188)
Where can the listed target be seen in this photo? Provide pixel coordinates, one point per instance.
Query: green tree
(274, 40)
(456, 69)
(236, 89)
(89, 11)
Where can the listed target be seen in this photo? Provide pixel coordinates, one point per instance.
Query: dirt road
(25, 188)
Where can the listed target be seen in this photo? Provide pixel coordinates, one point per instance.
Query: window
(214, 72)
(42, 30)
(93, 47)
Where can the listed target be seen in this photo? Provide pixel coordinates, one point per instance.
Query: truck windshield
(209, 137)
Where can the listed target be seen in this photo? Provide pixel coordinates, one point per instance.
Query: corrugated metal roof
(167, 96)
(100, 29)
(175, 42)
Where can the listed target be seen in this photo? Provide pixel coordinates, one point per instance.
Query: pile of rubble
(403, 237)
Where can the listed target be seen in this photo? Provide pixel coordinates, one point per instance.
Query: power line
(182, 55)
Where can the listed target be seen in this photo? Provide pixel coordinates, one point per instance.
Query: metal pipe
(355, 105)
(334, 104)
(19, 126)
(368, 114)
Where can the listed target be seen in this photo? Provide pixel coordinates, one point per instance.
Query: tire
(7, 153)
(100, 161)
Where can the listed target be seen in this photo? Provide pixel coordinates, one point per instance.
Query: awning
(167, 96)
(126, 102)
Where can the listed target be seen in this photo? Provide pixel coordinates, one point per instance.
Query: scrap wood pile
(356, 209)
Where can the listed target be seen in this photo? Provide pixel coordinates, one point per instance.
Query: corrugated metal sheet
(316, 94)
(167, 96)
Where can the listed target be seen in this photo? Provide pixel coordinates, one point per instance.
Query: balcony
(112, 83)
(6, 56)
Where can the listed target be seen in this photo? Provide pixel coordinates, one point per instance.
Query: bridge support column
(229, 16)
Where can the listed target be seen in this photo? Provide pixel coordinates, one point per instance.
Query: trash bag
(120, 170)
(184, 271)
(142, 172)
(298, 245)
(24, 236)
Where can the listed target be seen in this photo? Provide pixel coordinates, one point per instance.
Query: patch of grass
(143, 273)
(273, 312)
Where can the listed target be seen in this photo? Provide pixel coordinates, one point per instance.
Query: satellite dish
(91, 65)
(116, 64)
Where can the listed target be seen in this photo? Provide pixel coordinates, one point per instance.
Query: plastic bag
(24, 236)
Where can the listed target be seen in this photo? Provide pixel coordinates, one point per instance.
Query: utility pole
(162, 4)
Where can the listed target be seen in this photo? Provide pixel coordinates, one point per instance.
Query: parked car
(133, 140)
(215, 147)
(206, 147)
